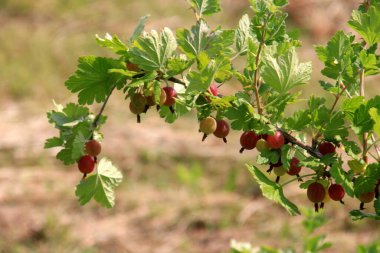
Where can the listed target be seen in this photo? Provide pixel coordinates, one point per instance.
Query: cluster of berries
(86, 164)
(140, 103)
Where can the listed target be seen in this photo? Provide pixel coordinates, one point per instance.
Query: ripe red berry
(316, 192)
(170, 95)
(367, 197)
(222, 129)
(93, 148)
(86, 164)
(214, 89)
(336, 192)
(248, 140)
(326, 148)
(294, 167)
(276, 141)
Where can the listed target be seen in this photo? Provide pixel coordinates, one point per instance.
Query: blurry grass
(51, 235)
(41, 40)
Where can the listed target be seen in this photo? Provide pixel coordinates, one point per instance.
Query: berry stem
(297, 178)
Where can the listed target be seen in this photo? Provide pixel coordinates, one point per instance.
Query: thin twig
(297, 178)
(256, 74)
(312, 151)
(97, 118)
(365, 134)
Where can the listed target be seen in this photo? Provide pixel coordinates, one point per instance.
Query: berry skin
(208, 125)
(222, 129)
(150, 100)
(86, 164)
(316, 192)
(170, 95)
(262, 145)
(248, 140)
(336, 192)
(136, 110)
(279, 171)
(93, 148)
(276, 141)
(367, 197)
(214, 89)
(294, 168)
(133, 67)
(138, 100)
(326, 148)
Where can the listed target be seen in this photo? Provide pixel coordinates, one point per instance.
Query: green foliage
(152, 51)
(272, 190)
(285, 72)
(93, 80)
(190, 60)
(205, 7)
(367, 24)
(101, 185)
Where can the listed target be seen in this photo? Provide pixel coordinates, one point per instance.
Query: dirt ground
(179, 194)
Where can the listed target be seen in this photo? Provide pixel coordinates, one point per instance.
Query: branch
(365, 134)
(312, 151)
(256, 75)
(97, 118)
(176, 80)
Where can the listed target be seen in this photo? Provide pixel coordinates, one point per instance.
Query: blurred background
(179, 195)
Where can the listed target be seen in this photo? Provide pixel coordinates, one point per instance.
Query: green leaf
(376, 204)
(299, 121)
(53, 142)
(101, 185)
(219, 69)
(177, 65)
(343, 178)
(268, 156)
(71, 114)
(194, 41)
(367, 24)
(276, 104)
(92, 79)
(362, 120)
(364, 184)
(205, 7)
(350, 105)
(139, 28)
(359, 215)
(369, 63)
(337, 56)
(335, 127)
(243, 34)
(113, 43)
(374, 112)
(219, 42)
(285, 72)
(152, 51)
(272, 190)
(280, 3)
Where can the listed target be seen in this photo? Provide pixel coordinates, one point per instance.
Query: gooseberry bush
(328, 147)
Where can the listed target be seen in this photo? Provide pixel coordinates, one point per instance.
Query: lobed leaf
(101, 185)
